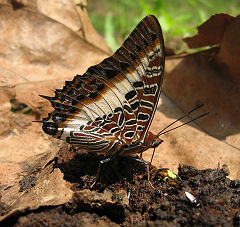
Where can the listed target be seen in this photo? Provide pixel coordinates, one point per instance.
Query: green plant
(179, 19)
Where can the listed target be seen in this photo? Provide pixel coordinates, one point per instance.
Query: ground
(123, 196)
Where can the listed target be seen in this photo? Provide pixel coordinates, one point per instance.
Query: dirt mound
(123, 195)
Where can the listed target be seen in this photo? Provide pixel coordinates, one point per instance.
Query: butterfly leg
(147, 168)
(148, 176)
(102, 162)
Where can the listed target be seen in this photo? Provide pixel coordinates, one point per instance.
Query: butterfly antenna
(194, 119)
(195, 108)
(39, 121)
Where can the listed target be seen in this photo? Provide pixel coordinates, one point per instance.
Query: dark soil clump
(133, 202)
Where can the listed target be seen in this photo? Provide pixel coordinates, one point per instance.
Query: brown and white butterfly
(109, 108)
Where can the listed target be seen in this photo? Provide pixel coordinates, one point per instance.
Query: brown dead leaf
(37, 190)
(222, 30)
(42, 46)
(38, 53)
(196, 79)
(210, 32)
(229, 53)
(211, 77)
(66, 13)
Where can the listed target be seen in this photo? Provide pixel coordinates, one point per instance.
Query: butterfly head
(152, 140)
(156, 142)
(53, 124)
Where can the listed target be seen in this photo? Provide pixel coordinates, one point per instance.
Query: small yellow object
(163, 172)
(171, 174)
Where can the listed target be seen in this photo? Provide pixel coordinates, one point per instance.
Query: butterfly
(109, 108)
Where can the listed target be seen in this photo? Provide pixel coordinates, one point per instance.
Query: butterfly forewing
(142, 61)
(112, 105)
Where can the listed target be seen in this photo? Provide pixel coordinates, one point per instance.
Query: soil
(134, 202)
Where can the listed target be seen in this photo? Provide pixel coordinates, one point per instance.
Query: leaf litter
(40, 185)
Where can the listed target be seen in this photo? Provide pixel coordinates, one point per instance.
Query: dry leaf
(210, 32)
(37, 190)
(42, 45)
(211, 77)
(37, 55)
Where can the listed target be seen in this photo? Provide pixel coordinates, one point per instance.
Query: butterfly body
(110, 107)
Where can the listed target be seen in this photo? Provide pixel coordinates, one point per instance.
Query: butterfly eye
(50, 128)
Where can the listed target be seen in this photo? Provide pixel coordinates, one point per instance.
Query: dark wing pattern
(113, 103)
